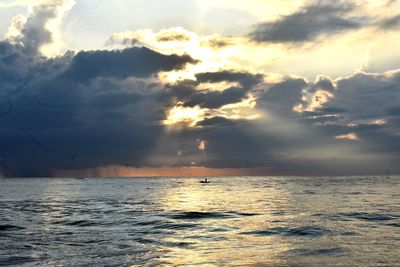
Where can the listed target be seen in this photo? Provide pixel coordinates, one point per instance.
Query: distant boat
(205, 181)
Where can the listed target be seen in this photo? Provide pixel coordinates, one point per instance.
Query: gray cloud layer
(130, 62)
(317, 19)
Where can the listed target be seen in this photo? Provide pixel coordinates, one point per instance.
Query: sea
(232, 221)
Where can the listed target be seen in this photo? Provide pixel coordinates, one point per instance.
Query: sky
(199, 87)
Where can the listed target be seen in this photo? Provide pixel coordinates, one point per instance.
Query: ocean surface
(233, 221)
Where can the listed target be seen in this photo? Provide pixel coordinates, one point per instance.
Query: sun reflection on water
(220, 215)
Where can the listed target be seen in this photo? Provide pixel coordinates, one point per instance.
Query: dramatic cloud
(39, 33)
(245, 79)
(282, 97)
(77, 111)
(136, 61)
(175, 99)
(318, 19)
(190, 95)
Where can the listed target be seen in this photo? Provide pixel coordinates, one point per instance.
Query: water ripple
(197, 215)
(175, 226)
(320, 252)
(5, 227)
(80, 223)
(237, 221)
(368, 216)
(306, 231)
(16, 260)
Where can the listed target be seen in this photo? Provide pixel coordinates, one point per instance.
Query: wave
(349, 234)
(244, 214)
(393, 224)
(196, 215)
(5, 227)
(368, 216)
(306, 231)
(117, 222)
(320, 252)
(364, 216)
(16, 260)
(81, 223)
(174, 226)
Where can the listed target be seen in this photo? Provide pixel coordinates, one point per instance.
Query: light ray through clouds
(181, 101)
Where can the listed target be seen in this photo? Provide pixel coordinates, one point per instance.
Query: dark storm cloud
(217, 120)
(50, 120)
(393, 111)
(366, 96)
(53, 121)
(291, 142)
(243, 78)
(115, 100)
(282, 97)
(367, 105)
(324, 111)
(315, 20)
(135, 62)
(361, 102)
(216, 99)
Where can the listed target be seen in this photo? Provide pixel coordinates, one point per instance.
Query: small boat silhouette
(205, 181)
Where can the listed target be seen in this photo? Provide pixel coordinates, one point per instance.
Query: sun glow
(54, 26)
(184, 115)
(219, 86)
(191, 116)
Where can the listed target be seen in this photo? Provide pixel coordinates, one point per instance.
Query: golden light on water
(216, 238)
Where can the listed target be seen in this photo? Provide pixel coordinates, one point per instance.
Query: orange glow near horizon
(123, 171)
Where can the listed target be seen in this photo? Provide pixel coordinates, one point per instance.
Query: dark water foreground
(264, 221)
